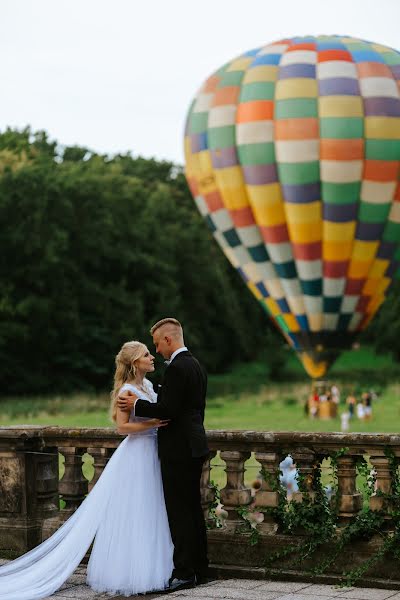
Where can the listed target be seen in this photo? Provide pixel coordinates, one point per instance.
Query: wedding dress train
(125, 515)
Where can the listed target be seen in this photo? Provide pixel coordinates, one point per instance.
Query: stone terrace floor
(235, 589)
(232, 589)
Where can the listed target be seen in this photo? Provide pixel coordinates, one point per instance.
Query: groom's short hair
(168, 321)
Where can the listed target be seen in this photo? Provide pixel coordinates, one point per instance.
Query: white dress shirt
(183, 349)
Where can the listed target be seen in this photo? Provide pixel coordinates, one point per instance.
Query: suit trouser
(181, 481)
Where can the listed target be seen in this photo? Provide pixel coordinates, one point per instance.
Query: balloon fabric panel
(292, 156)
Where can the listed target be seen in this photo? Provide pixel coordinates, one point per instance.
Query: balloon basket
(320, 403)
(327, 410)
(323, 411)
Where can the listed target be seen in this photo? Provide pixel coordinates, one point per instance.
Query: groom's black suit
(182, 448)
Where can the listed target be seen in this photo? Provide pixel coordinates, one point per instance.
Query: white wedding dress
(125, 515)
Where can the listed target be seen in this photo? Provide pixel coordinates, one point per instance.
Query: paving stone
(75, 579)
(242, 596)
(230, 593)
(368, 594)
(81, 592)
(284, 586)
(182, 596)
(57, 597)
(243, 584)
(325, 590)
(60, 596)
(304, 597)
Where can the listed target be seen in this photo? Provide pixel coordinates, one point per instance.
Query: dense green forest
(95, 249)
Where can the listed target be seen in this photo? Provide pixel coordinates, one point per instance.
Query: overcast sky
(119, 75)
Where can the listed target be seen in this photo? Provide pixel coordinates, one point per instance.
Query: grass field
(275, 407)
(241, 399)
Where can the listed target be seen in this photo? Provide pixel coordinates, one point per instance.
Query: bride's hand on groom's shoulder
(157, 422)
(126, 401)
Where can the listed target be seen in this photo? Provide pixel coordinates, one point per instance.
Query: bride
(124, 513)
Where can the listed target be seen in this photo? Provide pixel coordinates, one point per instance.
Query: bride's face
(145, 363)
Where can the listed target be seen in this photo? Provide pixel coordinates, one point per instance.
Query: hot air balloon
(292, 156)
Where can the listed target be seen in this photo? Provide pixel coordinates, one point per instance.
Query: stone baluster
(234, 494)
(383, 485)
(304, 460)
(44, 469)
(73, 486)
(28, 493)
(207, 492)
(268, 495)
(350, 500)
(101, 456)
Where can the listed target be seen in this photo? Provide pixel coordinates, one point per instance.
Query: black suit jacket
(181, 398)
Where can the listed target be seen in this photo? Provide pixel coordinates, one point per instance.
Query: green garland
(214, 521)
(315, 519)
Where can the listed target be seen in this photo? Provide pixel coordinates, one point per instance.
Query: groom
(182, 447)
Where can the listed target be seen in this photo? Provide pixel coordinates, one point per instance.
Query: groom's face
(162, 343)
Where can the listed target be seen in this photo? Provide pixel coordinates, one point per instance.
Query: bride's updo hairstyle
(125, 370)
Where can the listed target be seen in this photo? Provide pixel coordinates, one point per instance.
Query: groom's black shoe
(176, 584)
(203, 579)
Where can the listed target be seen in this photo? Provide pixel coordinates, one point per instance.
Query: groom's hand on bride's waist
(126, 401)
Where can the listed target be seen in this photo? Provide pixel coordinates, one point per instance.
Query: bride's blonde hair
(125, 370)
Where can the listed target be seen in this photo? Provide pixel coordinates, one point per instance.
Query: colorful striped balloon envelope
(292, 156)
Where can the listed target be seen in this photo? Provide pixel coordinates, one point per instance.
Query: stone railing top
(288, 441)
(47, 431)
(302, 437)
(41, 436)
(218, 439)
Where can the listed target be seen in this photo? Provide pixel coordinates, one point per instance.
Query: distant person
(335, 394)
(344, 421)
(367, 401)
(360, 410)
(306, 407)
(323, 397)
(317, 401)
(351, 402)
(314, 402)
(124, 513)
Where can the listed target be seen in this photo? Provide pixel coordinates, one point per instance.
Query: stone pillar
(350, 500)
(268, 495)
(73, 486)
(44, 502)
(28, 493)
(304, 461)
(101, 456)
(383, 484)
(206, 491)
(234, 494)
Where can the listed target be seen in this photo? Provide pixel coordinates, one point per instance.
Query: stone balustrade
(308, 451)
(35, 500)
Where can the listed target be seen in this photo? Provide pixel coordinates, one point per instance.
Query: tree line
(95, 249)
